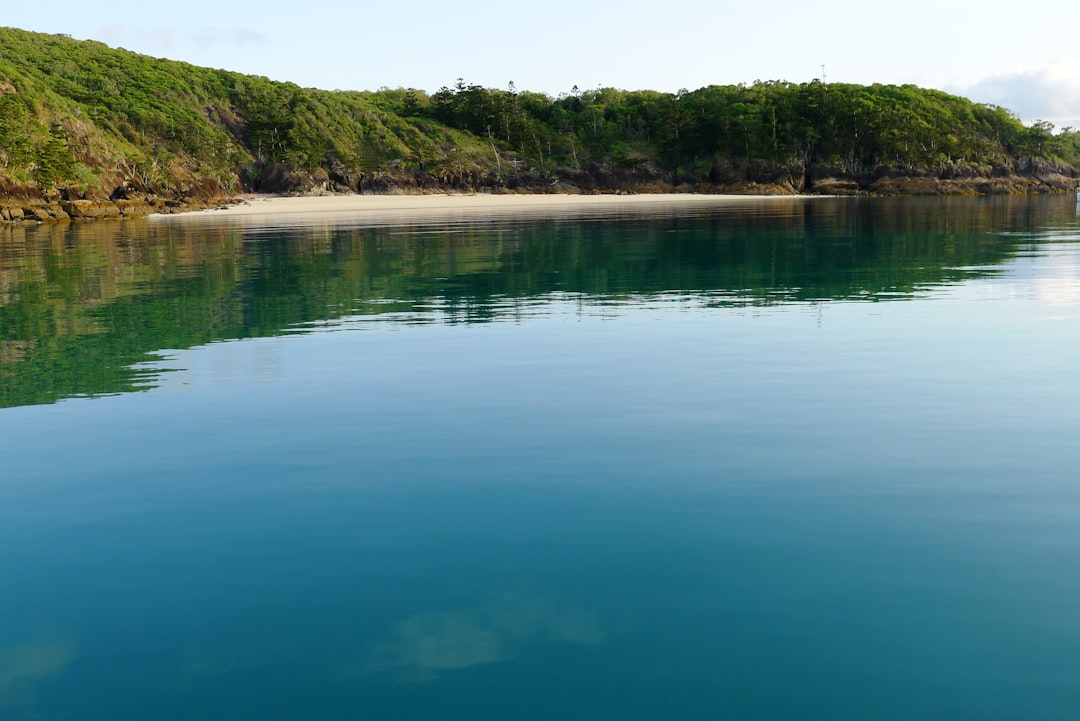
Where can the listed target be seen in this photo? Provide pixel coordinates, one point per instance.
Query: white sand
(260, 209)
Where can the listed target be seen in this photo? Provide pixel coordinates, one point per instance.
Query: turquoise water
(794, 460)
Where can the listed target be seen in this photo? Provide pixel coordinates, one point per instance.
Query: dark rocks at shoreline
(26, 204)
(79, 210)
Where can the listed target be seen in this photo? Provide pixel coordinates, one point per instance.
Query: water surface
(806, 460)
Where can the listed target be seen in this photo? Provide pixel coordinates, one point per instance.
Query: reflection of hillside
(80, 304)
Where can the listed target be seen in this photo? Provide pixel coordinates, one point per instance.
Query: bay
(807, 459)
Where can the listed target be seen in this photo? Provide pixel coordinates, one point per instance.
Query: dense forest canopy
(97, 121)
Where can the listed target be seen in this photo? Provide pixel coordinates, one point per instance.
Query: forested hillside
(82, 123)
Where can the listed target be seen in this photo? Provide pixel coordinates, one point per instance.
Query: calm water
(794, 460)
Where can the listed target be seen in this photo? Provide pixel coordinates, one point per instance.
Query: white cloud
(160, 39)
(209, 37)
(1050, 92)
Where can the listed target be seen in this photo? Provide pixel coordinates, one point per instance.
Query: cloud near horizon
(1050, 92)
(166, 38)
(209, 37)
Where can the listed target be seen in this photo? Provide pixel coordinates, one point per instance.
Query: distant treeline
(95, 122)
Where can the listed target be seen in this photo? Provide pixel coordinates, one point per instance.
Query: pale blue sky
(1022, 57)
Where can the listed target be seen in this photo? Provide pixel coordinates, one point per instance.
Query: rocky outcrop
(284, 178)
(28, 203)
(1026, 175)
(46, 212)
(999, 185)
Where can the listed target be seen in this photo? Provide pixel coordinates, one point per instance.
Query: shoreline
(441, 204)
(417, 205)
(250, 205)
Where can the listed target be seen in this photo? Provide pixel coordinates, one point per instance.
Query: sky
(1022, 57)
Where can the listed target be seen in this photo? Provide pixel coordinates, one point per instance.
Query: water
(791, 460)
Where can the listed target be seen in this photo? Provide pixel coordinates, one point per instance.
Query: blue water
(707, 463)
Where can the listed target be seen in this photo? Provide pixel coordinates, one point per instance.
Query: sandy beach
(391, 208)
